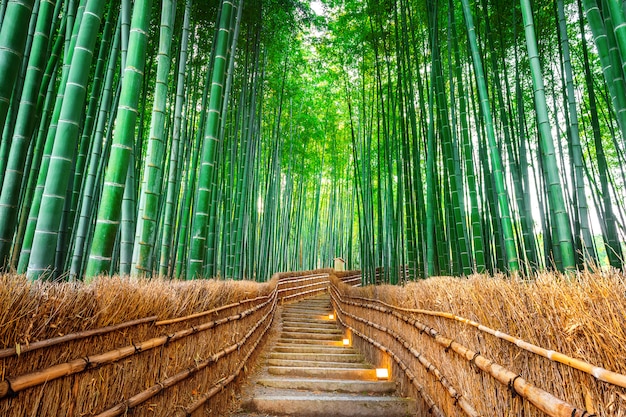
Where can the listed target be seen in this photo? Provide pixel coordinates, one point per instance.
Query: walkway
(309, 372)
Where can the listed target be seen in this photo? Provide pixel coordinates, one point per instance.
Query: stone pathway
(309, 372)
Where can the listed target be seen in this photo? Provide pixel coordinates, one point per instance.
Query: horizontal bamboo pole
(304, 293)
(286, 280)
(597, 372)
(541, 399)
(143, 396)
(301, 287)
(432, 406)
(215, 310)
(4, 353)
(220, 385)
(22, 382)
(459, 399)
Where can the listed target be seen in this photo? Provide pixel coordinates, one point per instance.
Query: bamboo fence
(466, 366)
(123, 345)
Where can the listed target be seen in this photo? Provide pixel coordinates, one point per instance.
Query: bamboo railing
(19, 383)
(206, 350)
(459, 399)
(597, 372)
(20, 349)
(364, 316)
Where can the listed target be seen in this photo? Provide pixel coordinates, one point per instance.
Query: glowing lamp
(346, 342)
(382, 373)
(331, 316)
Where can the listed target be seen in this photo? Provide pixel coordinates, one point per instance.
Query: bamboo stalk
(597, 372)
(4, 353)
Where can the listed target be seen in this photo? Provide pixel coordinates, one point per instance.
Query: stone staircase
(309, 372)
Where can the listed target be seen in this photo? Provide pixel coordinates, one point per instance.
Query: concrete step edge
(295, 363)
(326, 385)
(335, 405)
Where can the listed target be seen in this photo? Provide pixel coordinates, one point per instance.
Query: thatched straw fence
(467, 347)
(497, 347)
(120, 345)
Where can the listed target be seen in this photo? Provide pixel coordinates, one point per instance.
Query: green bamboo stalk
(574, 135)
(201, 212)
(607, 218)
(108, 220)
(24, 129)
(494, 153)
(165, 268)
(150, 194)
(557, 205)
(86, 143)
(73, 22)
(63, 151)
(89, 188)
(13, 36)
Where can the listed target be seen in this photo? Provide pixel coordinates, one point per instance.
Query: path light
(346, 342)
(331, 316)
(382, 373)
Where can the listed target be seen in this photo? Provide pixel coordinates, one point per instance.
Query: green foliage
(304, 135)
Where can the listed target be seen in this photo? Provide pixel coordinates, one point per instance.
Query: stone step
(311, 330)
(320, 304)
(304, 349)
(315, 364)
(309, 322)
(308, 306)
(309, 325)
(330, 385)
(309, 373)
(320, 301)
(335, 343)
(306, 317)
(307, 309)
(318, 405)
(317, 357)
(329, 373)
(310, 336)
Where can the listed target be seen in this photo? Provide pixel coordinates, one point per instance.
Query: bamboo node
(137, 348)
(447, 349)
(88, 363)
(511, 385)
(473, 362)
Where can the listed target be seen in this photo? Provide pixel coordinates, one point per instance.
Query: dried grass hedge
(583, 317)
(36, 311)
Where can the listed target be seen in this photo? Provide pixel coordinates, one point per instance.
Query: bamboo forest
(237, 139)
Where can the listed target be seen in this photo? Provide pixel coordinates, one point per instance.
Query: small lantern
(346, 342)
(331, 316)
(340, 264)
(382, 373)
